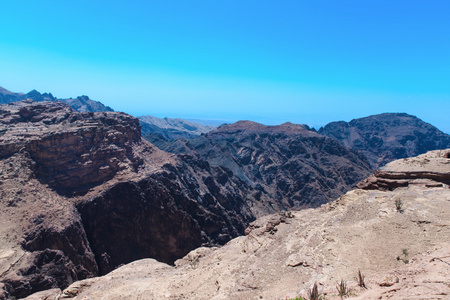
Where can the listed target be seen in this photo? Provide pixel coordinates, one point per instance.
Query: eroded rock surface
(71, 151)
(404, 255)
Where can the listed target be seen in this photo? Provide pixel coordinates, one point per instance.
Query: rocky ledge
(431, 169)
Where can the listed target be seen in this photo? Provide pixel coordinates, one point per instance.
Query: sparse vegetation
(399, 205)
(405, 255)
(313, 293)
(342, 288)
(360, 279)
(288, 214)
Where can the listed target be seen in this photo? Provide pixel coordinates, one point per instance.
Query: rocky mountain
(81, 103)
(385, 137)
(295, 166)
(82, 193)
(170, 129)
(402, 252)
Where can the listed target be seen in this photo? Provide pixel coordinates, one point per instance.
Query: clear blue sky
(269, 61)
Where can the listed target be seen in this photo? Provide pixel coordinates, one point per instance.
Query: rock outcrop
(430, 169)
(403, 254)
(386, 137)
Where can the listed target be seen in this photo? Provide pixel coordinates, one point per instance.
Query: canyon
(83, 193)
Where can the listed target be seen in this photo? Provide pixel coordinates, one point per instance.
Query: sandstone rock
(428, 170)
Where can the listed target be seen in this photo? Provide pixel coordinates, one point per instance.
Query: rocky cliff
(385, 137)
(82, 193)
(402, 254)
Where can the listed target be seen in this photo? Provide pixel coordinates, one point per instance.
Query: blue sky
(306, 62)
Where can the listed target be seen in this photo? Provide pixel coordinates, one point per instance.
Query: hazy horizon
(306, 63)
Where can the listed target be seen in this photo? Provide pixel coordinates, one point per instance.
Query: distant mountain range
(380, 138)
(171, 129)
(81, 103)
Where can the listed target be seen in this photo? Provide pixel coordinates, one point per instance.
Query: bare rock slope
(403, 252)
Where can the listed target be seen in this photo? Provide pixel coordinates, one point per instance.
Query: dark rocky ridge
(291, 164)
(385, 137)
(81, 103)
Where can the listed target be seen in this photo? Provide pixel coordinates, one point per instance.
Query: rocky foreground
(397, 236)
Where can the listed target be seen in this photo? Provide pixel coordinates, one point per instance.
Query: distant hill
(171, 129)
(385, 137)
(81, 103)
(215, 123)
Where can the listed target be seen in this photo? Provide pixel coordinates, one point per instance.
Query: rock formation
(402, 254)
(82, 193)
(385, 137)
(289, 163)
(430, 169)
